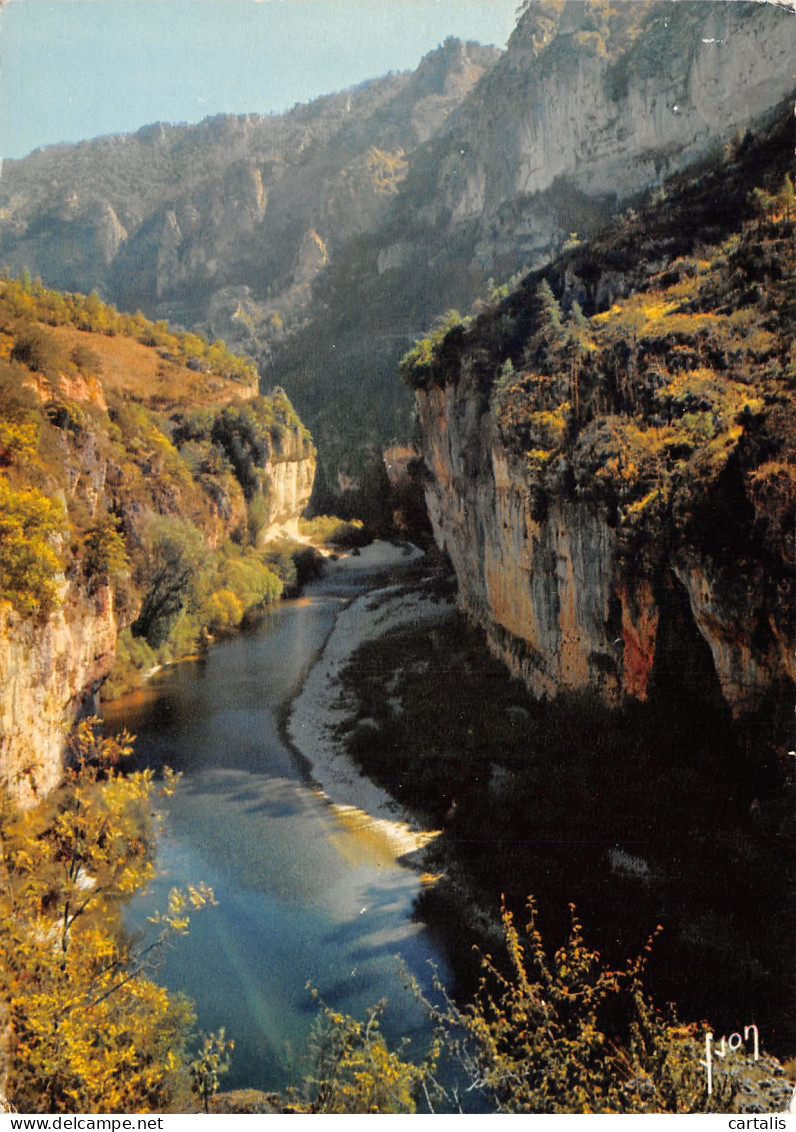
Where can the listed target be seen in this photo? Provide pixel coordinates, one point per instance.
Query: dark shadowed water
(304, 895)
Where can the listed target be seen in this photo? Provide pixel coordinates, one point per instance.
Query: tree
(37, 349)
(30, 526)
(86, 1030)
(208, 1066)
(548, 308)
(505, 378)
(245, 442)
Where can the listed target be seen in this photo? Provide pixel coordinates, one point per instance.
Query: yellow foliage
(17, 439)
(565, 1033)
(386, 169)
(658, 307)
(641, 505)
(88, 1030)
(30, 525)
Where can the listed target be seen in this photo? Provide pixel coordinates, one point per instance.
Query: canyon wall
(50, 674)
(52, 667)
(122, 485)
(562, 602)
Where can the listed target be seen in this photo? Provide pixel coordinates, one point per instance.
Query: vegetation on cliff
(649, 375)
(679, 392)
(140, 459)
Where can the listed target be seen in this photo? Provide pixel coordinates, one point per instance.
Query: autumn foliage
(85, 1029)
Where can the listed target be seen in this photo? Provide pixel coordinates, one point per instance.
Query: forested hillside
(141, 475)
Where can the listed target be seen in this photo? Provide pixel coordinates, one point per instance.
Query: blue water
(301, 895)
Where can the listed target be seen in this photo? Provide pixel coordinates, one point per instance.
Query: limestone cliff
(617, 492)
(560, 601)
(50, 674)
(141, 477)
(229, 222)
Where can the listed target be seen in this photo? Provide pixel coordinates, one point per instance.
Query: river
(305, 893)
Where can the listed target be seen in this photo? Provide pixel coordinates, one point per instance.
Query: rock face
(107, 455)
(324, 241)
(51, 669)
(562, 604)
(290, 480)
(176, 220)
(542, 589)
(50, 674)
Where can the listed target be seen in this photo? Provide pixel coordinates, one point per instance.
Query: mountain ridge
(325, 259)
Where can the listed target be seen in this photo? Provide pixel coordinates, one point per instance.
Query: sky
(75, 69)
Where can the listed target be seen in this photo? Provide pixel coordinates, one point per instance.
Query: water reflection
(306, 891)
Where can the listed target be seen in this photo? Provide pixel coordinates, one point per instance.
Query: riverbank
(321, 707)
(304, 894)
(623, 813)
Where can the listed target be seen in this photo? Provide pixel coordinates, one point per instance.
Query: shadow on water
(302, 895)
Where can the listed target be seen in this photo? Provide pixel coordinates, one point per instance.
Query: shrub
(40, 352)
(354, 1071)
(565, 1033)
(104, 549)
(30, 526)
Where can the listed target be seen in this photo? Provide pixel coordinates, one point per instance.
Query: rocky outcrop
(594, 559)
(50, 674)
(562, 602)
(143, 487)
(51, 669)
(586, 109)
(290, 481)
(582, 113)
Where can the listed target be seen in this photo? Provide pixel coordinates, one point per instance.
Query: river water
(304, 894)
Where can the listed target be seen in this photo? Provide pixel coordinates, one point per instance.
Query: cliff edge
(141, 477)
(611, 454)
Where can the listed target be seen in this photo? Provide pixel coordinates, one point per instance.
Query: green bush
(40, 352)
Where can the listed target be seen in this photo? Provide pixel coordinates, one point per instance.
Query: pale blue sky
(74, 69)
